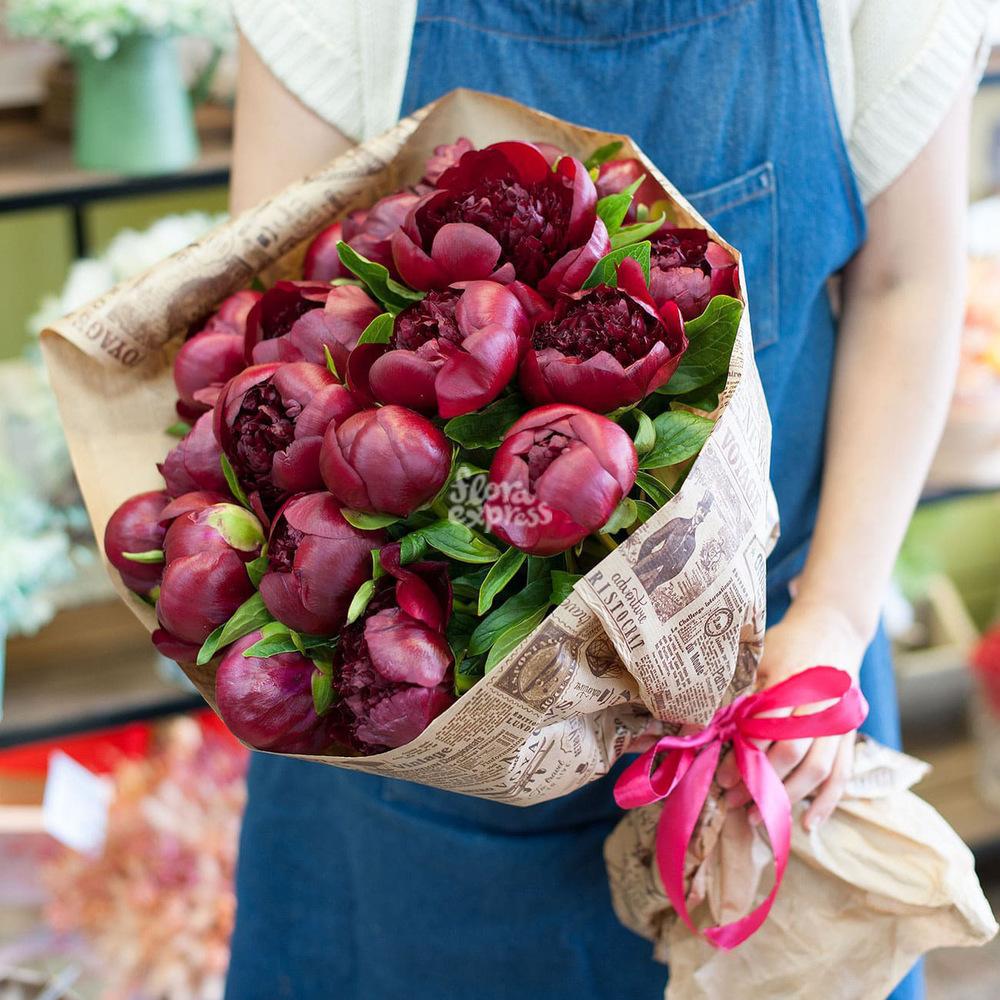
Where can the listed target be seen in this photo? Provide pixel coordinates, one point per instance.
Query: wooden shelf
(37, 169)
(91, 667)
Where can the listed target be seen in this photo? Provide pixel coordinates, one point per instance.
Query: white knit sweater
(895, 66)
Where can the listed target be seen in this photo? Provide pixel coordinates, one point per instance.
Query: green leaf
(256, 568)
(337, 282)
(469, 584)
(644, 511)
(512, 638)
(233, 482)
(562, 584)
(250, 615)
(360, 601)
(331, 366)
(604, 269)
(412, 548)
(453, 539)
(538, 566)
(179, 429)
(679, 435)
(378, 570)
(656, 491)
(272, 646)
(534, 598)
(500, 574)
(638, 231)
(365, 521)
(150, 556)
(272, 629)
(603, 154)
(621, 517)
(486, 428)
(613, 208)
(467, 674)
(394, 296)
(706, 398)
(378, 331)
(645, 436)
(322, 692)
(711, 337)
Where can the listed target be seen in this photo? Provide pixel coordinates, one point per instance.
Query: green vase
(133, 112)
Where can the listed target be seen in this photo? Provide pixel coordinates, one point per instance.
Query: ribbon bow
(684, 775)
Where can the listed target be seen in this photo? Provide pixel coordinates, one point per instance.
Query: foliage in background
(99, 25)
(43, 527)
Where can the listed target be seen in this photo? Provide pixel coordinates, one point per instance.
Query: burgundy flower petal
(405, 650)
(196, 462)
(403, 716)
(322, 263)
(207, 359)
(405, 379)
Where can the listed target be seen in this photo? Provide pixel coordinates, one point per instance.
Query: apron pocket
(744, 211)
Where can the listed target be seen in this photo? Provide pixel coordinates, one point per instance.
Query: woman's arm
(277, 139)
(897, 353)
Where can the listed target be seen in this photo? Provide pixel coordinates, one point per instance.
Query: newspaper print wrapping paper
(667, 628)
(884, 880)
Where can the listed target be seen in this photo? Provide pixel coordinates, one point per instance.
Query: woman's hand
(809, 635)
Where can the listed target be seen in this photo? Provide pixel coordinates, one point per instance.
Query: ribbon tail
(676, 826)
(768, 793)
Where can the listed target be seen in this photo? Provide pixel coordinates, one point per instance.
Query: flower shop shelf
(92, 667)
(37, 169)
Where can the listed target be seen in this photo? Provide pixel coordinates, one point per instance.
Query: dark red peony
(205, 576)
(315, 563)
(604, 348)
(451, 353)
(616, 175)
(270, 421)
(268, 703)
(387, 461)
(393, 667)
(558, 475)
(195, 463)
(296, 320)
(504, 213)
(689, 269)
(136, 526)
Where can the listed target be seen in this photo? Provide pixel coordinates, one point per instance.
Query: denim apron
(354, 887)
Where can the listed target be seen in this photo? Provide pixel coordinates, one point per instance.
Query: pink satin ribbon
(682, 778)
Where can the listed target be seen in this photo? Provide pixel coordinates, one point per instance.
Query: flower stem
(606, 540)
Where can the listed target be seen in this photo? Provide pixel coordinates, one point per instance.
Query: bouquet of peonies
(391, 470)
(472, 490)
(458, 486)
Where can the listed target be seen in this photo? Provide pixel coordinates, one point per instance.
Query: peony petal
(583, 211)
(415, 268)
(572, 269)
(296, 469)
(405, 379)
(406, 651)
(403, 716)
(600, 383)
(577, 484)
(475, 377)
(463, 251)
(487, 303)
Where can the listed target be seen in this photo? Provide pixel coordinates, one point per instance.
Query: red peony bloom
(267, 702)
(270, 421)
(393, 667)
(366, 230)
(558, 475)
(136, 526)
(689, 269)
(231, 316)
(295, 320)
(450, 353)
(202, 366)
(504, 213)
(387, 461)
(196, 462)
(605, 347)
(444, 158)
(205, 576)
(315, 563)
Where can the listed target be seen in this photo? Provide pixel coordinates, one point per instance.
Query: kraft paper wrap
(667, 628)
(884, 880)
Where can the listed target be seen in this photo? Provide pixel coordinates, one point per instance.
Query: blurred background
(120, 797)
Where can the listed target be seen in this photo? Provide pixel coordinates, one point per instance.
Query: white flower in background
(100, 24)
(43, 526)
